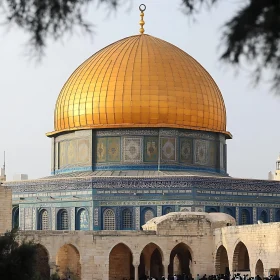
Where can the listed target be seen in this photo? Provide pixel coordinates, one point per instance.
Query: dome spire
(142, 9)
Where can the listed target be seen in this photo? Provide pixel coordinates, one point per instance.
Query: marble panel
(83, 151)
(168, 148)
(186, 150)
(114, 149)
(201, 152)
(151, 149)
(101, 149)
(212, 153)
(132, 149)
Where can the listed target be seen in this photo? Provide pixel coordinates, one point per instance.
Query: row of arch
(109, 218)
(245, 217)
(150, 263)
(82, 219)
(240, 263)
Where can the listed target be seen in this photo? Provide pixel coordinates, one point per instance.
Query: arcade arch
(42, 262)
(68, 262)
(120, 263)
(151, 262)
(180, 260)
(241, 260)
(221, 261)
(259, 269)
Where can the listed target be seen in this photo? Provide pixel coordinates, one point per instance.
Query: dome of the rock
(140, 81)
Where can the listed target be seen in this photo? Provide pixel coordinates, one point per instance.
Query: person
(175, 277)
(69, 278)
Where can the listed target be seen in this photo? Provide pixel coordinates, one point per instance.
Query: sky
(29, 89)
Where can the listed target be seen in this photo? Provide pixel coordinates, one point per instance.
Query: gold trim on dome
(140, 81)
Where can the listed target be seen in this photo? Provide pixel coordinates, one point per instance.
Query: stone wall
(261, 240)
(5, 209)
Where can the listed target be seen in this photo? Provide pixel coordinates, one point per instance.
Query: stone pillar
(53, 267)
(136, 276)
(165, 268)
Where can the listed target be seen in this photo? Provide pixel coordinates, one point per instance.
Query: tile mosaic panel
(168, 148)
(28, 219)
(132, 149)
(114, 149)
(95, 216)
(83, 151)
(201, 152)
(101, 149)
(151, 149)
(137, 218)
(186, 150)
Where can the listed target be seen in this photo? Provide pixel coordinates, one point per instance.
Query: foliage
(55, 276)
(252, 34)
(17, 260)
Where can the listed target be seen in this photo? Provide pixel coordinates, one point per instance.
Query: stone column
(136, 276)
(165, 268)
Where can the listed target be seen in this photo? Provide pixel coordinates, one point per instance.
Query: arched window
(168, 210)
(109, 220)
(82, 220)
(229, 211)
(126, 219)
(44, 220)
(15, 217)
(149, 214)
(62, 221)
(277, 216)
(212, 210)
(245, 217)
(264, 217)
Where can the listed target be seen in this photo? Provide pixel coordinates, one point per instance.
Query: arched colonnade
(241, 262)
(149, 261)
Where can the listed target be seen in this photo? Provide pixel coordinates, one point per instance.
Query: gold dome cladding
(140, 81)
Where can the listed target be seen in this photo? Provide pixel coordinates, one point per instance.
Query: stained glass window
(83, 222)
(149, 214)
(63, 223)
(244, 217)
(44, 220)
(127, 219)
(109, 220)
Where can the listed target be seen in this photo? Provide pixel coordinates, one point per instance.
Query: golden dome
(140, 81)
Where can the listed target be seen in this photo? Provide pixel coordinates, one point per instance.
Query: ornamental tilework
(151, 149)
(271, 215)
(137, 218)
(132, 149)
(83, 151)
(34, 219)
(53, 218)
(72, 218)
(101, 149)
(254, 215)
(237, 215)
(159, 211)
(28, 219)
(201, 152)
(95, 216)
(168, 148)
(186, 150)
(21, 218)
(114, 149)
